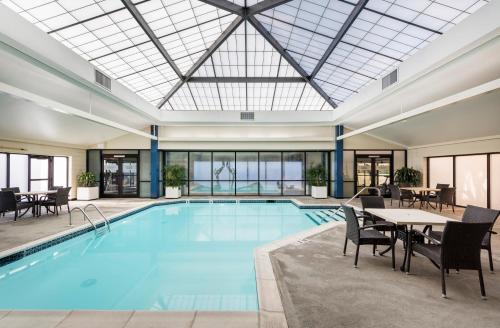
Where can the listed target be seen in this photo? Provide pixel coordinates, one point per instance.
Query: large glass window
(3, 170)
(495, 181)
(200, 173)
(224, 173)
(179, 158)
(18, 176)
(293, 173)
(440, 171)
(247, 173)
(471, 179)
(60, 171)
(270, 173)
(39, 173)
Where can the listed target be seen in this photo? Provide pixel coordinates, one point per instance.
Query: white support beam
(68, 110)
(435, 105)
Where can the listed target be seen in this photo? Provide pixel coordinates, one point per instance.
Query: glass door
(120, 176)
(372, 171)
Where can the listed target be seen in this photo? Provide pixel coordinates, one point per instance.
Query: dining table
(409, 218)
(34, 196)
(424, 191)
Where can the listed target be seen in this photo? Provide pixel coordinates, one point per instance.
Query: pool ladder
(87, 217)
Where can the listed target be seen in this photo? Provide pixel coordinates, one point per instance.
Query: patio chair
(478, 214)
(459, 248)
(9, 203)
(446, 197)
(17, 190)
(366, 235)
(400, 195)
(61, 198)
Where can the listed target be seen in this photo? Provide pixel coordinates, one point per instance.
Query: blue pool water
(170, 257)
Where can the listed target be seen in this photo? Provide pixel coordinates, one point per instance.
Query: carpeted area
(320, 288)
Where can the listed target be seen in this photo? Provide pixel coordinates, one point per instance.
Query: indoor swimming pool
(185, 256)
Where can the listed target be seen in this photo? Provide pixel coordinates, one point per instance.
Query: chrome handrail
(106, 222)
(357, 194)
(85, 216)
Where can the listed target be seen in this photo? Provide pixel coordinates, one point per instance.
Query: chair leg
(345, 245)
(356, 258)
(67, 205)
(391, 201)
(453, 208)
(57, 210)
(374, 249)
(443, 283)
(392, 251)
(481, 284)
(490, 258)
(15, 215)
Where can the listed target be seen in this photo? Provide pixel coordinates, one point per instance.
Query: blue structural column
(155, 169)
(339, 163)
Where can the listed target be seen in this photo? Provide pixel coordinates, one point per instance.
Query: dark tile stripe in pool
(34, 249)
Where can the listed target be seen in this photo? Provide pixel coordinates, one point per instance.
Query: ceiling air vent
(390, 79)
(247, 116)
(102, 80)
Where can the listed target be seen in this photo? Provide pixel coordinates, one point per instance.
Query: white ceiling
(472, 118)
(23, 120)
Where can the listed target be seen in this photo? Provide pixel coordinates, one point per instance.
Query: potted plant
(87, 186)
(174, 178)
(407, 177)
(316, 176)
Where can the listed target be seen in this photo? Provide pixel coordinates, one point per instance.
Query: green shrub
(174, 175)
(86, 179)
(407, 176)
(316, 175)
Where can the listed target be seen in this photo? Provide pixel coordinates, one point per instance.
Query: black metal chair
(478, 214)
(362, 236)
(459, 248)
(446, 197)
(400, 195)
(61, 198)
(9, 203)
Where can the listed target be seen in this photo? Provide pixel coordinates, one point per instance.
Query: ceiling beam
(340, 34)
(227, 32)
(149, 32)
(226, 5)
(267, 35)
(249, 79)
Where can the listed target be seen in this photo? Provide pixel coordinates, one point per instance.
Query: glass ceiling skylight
(339, 46)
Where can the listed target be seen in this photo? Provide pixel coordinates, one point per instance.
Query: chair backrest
(461, 245)
(62, 196)
(372, 202)
(15, 190)
(55, 187)
(395, 192)
(446, 195)
(442, 185)
(7, 201)
(352, 229)
(480, 214)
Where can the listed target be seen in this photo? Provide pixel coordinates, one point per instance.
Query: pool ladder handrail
(106, 221)
(86, 216)
(353, 197)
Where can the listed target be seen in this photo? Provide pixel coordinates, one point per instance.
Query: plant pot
(319, 192)
(87, 193)
(172, 192)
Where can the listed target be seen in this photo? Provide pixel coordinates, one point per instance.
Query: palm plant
(408, 176)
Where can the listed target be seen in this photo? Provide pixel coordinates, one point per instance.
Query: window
(440, 171)
(224, 173)
(293, 173)
(200, 173)
(247, 173)
(3, 170)
(60, 171)
(270, 173)
(495, 181)
(471, 180)
(39, 173)
(18, 176)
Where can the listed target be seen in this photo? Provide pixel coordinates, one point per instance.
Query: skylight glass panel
(246, 53)
(233, 96)
(183, 99)
(206, 96)
(186, 28)
(287, 96)
(312, 100)
(260, 96)
(300, 27)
